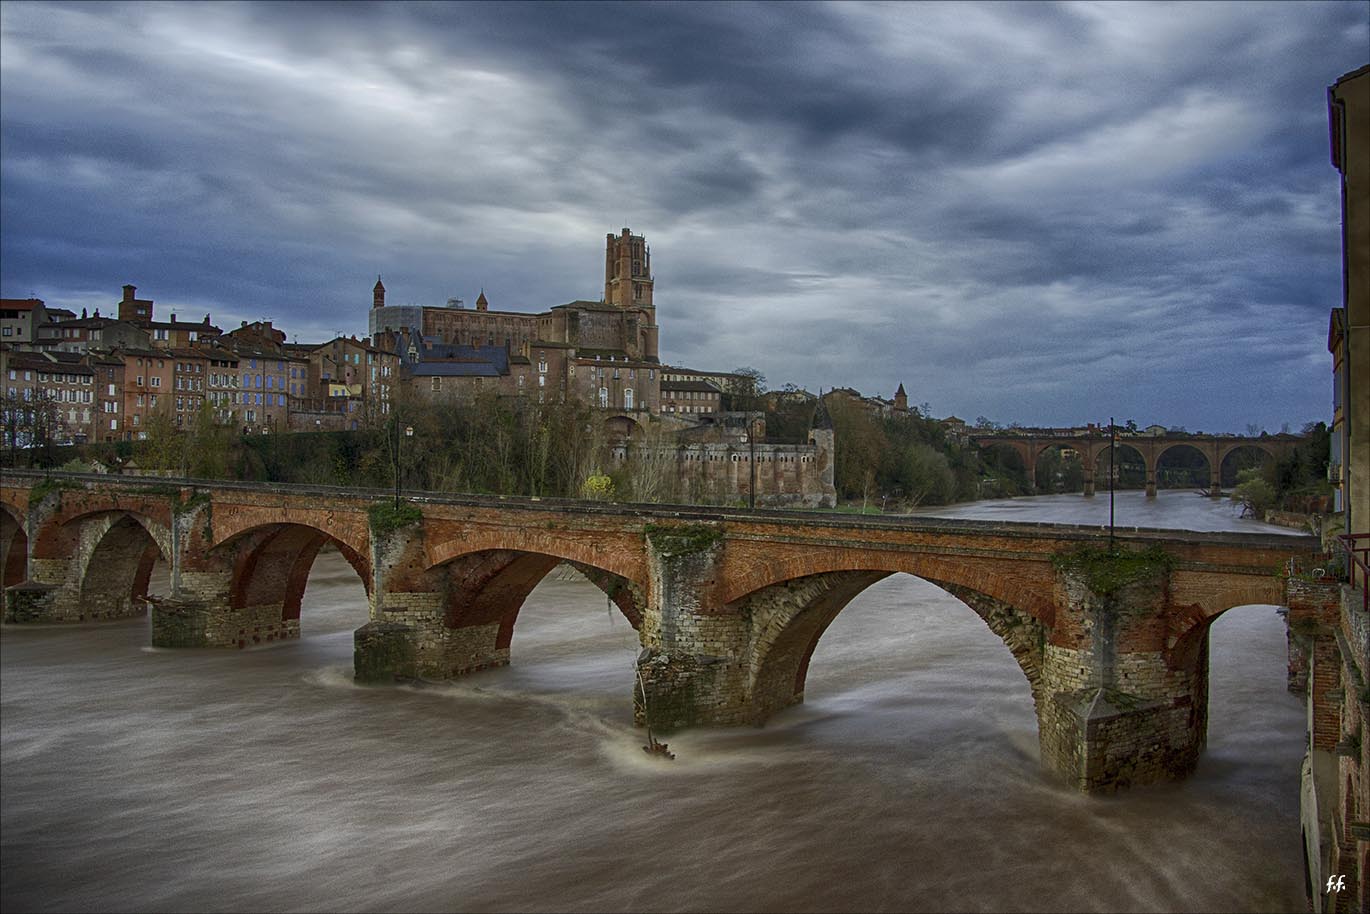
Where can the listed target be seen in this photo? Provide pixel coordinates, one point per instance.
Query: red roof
(20, 304)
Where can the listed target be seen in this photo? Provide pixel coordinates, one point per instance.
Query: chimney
(173, 318)
(128, 292)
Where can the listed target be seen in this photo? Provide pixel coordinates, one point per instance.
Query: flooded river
(137, 779)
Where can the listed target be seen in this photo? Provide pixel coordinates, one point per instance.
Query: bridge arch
(61, 534)
(14, 547)
(1023, 454)
(270, 566)
(1234, 458)
(1197, 604)
(790, 618)
(114, 582)
(623, 559)
(1025, 585)
(1071, 466)
(490, 588)
(1197, 477)
(1130, 457)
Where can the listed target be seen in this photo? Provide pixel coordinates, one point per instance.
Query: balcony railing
(1356, 548)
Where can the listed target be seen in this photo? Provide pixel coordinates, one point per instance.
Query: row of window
(46, 378)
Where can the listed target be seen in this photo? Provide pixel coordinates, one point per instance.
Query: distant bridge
(1093, 441)
(728, 605)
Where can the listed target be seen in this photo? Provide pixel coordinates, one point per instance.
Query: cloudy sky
(1035, 212)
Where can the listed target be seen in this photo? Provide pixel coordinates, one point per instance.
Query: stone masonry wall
(1118, 715)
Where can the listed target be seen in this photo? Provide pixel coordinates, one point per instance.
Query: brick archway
(1025, 585)
(490, 587)
(270, 567)
(618, 553)
(1196, 604)
(59, 535)
(14, 548)
(1154, 468)
(114, 581)
(789, 619)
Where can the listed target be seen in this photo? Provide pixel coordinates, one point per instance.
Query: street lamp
(1112, 473)
(408, 433)
(751, 449)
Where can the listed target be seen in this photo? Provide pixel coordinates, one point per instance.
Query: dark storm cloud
(1037, 212)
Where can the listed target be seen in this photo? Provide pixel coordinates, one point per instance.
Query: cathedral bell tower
(628, 272)
(628, 285)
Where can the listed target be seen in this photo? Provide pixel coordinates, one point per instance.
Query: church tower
(628, 272)
(378, 294)
(628, 286)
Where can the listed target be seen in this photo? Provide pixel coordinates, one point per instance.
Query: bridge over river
(728, 605)
(1092, 445)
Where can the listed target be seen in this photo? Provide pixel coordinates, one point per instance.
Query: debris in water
(655, 748)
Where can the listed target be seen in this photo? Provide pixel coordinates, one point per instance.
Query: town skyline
(831, 195)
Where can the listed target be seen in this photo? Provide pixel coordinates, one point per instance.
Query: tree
(163, 447)
(743, 391)
(1253, 493)
(598, 487)
(926, 476)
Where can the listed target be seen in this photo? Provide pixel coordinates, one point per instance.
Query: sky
(1039, 213)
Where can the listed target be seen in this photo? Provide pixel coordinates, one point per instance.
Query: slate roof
(697, 386)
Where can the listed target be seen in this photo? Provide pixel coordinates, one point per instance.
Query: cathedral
(601, 352)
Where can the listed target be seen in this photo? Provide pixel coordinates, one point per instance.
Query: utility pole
(751, 447)
(1112, 473)
(395, 442)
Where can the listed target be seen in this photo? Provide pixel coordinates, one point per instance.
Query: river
(137, 779)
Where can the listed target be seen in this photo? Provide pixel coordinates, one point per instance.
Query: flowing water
(148, 780)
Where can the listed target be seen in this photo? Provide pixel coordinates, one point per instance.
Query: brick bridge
(1092, 442)
(728, 605)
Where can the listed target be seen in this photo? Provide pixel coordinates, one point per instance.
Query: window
(437, 383)
(628, 398)
(159, 334)
(604, 397)
(542, 380)
(156, 381)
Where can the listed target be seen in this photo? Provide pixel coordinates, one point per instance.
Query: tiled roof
(455, 370)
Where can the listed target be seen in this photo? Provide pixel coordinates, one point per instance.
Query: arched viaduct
(729, 606)
(1091, 443)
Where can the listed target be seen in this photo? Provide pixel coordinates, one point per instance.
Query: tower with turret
(628, 272)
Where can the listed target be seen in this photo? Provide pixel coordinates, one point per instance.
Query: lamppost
(751, 453)
(408, 433)
(1112, 474)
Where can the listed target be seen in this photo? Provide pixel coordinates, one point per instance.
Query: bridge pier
(1150, 479)
(1120, 709)
(1089, 479)
(693, 667)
